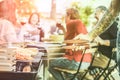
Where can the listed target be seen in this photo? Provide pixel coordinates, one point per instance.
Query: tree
(25, 7)
(84, 12)
(8, 8)
(53, 9)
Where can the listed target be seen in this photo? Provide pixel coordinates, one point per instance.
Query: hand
(60, 26)
(100, 41)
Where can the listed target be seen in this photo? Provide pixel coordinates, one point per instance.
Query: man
(7, 30)
(106, 43)
(108, 18)
(105, 22)
(106, 40)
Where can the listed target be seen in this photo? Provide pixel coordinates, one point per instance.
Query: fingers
(99, 40)
(77, 48)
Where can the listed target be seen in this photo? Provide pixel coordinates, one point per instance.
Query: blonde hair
(73, 13)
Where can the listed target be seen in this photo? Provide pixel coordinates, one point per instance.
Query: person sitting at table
(104, 24)
(30, 31)
(71, 59)
(7, 27)
(106, 41)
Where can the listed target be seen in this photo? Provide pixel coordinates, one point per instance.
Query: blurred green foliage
(84, 11)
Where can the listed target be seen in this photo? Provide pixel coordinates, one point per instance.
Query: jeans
(66, 64)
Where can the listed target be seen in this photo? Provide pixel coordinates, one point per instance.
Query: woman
(71, 59)
(30, 31)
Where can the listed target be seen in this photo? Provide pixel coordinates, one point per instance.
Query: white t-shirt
(7, 32)
(29, 33)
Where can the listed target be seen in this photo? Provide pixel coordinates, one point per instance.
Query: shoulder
(5, 22)
(27, 24)
(79, 22)
(76, 21)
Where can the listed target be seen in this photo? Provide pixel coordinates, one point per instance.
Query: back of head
(73, 13)
(7, 10)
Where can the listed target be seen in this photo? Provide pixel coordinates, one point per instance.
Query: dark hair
(73, 13)
(102, 8)
(32, 15)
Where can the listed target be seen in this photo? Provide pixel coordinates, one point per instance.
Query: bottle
(41, 34)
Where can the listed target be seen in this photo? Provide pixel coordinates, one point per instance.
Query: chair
(96, 71)
(75, 72)
(101, 68)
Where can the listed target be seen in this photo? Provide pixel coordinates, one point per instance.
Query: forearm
(106, 43)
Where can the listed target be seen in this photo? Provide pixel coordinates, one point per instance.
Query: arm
(111, 43)
(61, 27)
(101, 41)
(111, 35)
